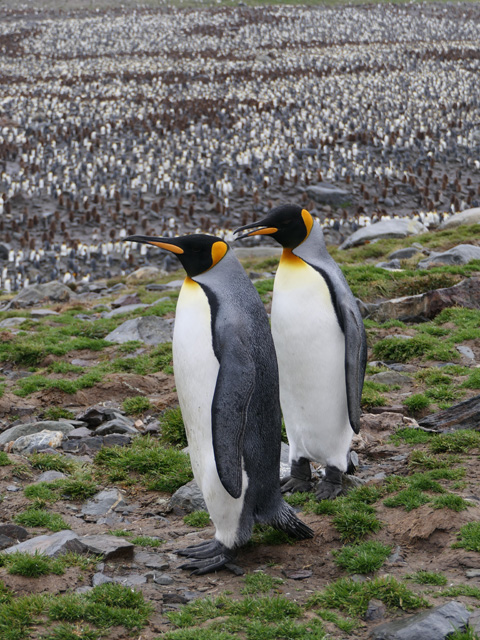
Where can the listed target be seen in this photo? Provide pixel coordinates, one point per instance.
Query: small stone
(132, 580)
(298, 574)
(110, 547)
(162, 578)
(151, 560)
(189, 498)
(13, 488)
(80, 432)
(84, 589)
(473, 573)
(5, 541)
(376, 610)
(466, 351)
(115, 426)
(395, 556)
(50, 476)
(43, 313)
(99, 578)
(148, 329)
(94, 416)
(104, 503)
(117, 440)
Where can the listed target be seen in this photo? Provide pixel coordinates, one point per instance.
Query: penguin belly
(310, 347)
(196, 369)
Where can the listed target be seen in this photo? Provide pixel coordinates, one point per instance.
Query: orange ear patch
(219, 249)
(308, 220)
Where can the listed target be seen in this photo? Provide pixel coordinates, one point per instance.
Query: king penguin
(321, 349)
(226, 376)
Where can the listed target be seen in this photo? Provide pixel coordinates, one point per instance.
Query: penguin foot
(206, 557)
(330, 486)
(208, 565)
(299, 479)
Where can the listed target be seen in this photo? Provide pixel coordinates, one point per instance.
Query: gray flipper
(235, 385)
(355, 356)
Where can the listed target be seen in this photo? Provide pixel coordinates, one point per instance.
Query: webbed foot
(300, 478)
(206, 557)
(330, 486)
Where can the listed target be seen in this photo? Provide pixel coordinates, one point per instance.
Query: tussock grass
(365, 557)
(428, 577)
(40, 518)
(469, 537)
(197, 519)
(260, 582)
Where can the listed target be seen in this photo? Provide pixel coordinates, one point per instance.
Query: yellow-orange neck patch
(219, 249)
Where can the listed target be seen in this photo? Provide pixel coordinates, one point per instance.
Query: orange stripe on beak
(169, 247)
(262, 232)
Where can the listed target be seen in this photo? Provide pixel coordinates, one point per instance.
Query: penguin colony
(227, 382)
(163, 121)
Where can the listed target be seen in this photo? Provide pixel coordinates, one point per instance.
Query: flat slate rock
(149, 329)
(36, 441)
(464, 415)
(391, 378)
(131, 580)
(434, 624)
(104, 503)
(110, 547)
(34, 427)
(189, 498)
(50, 476)
(50, 545)
(151, 560)
(459, 255)
(37, 293)
(384, 229)
(94, 416)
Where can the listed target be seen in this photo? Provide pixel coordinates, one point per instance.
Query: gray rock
(94, 416)
(459, 255)
(99, 578)
(425, 306)
(328, 194)
(132, 580)
(74, 446)
(474, 621)
(37, 293)
(43, 313)
(145, 273)
(189, 498)
(466, 351)
(104, 502)
(469, 216)
(149, 329)
(435, 624)
(117, 440)
(50, 545)
(5, 541)
(174, 284)
(473, 573)
(125, 309)
(110, 547)
(376, 610)
(391, 378)
(34, 427)
(116, 426)
(126, 300)
(10, 323)
(384, 229)
(391, 265)
(37, 441)
(404, 254)
(14, 531)
(162, 578)
(13, 488)
(50, 476)
(79, 433)
(464, 415)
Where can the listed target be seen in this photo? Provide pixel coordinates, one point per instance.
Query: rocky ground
(92, 455)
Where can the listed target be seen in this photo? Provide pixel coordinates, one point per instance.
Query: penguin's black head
(288, 224)
(197, 252)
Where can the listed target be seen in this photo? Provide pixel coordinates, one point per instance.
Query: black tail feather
(286, 520)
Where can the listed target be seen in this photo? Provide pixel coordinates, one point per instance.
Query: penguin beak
(162, 243)
(260, 230)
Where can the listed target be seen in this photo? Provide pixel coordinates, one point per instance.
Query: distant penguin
(227, 382)
(321, 349)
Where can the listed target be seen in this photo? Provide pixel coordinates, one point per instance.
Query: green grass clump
(468, 634)
(460, 441)
(371, 394)
(173, 429)
(40, 491)
(450, 501)
(51, 462)
(467, 590)
(136, 405)
(4, 459)
(259, 582)
(266, 535)
(353, 597)
(77, 487)
(417, 402)
(412, 436)
(146, 541)
(365, 557)
(160, 468)
(33, 566)
(469, 537)
(354, 525)
(264, 288)
(428, 577)
(347, 625)
(65, 631)
(56, 413)
(197, 519)
(429, 461)
(41, 518)
(473, 380)
(409, 499)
